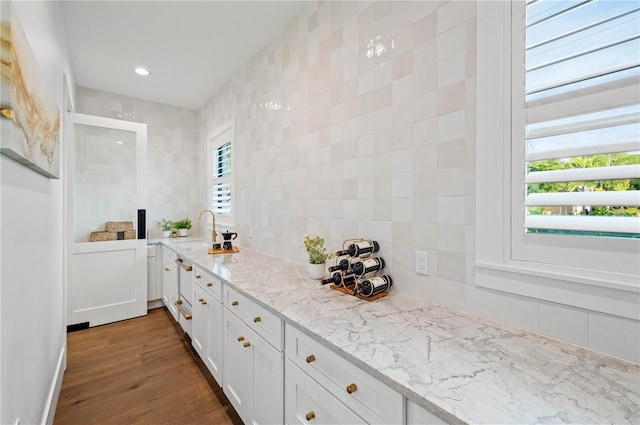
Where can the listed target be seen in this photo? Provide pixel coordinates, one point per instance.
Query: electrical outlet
(422, 262)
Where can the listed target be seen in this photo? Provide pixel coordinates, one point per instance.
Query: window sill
(604, 292)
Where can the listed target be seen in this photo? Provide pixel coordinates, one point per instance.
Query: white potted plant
(183, 226)
(318, 256)
(166, 227)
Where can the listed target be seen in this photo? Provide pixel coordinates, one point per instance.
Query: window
(582, 154)
(221, 180)
(557, 144)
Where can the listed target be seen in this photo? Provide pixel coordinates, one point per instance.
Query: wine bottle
(360, 248)
(369, 265)
(375, 285)
(339, 279)
(342, 265)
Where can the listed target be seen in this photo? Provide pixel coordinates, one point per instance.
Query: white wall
(32, 319)
(358, 120)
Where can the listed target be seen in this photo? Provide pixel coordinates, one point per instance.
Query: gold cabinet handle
(311, 358)
(352, 388)
(209, 284)
(203, 302)
(198, 276)
(200, 300)
(184, 313)
(310, 415)
(240, 338)
(167, 269)
(256, 319)
(247, 344)
(234, 303)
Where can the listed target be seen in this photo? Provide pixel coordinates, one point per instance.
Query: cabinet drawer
(417, 415)
(306, 402)
(151, 250)
(210, 284)
(263, 322)
(372, 400)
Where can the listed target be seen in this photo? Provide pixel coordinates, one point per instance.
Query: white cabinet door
(199, 321)
(306, 402)
(213, 349)
(152, 279)
(170, 286)
(234, 361)
(266, 382)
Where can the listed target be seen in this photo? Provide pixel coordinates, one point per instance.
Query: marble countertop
(459, 367)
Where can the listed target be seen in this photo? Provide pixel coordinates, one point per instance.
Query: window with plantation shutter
(581, 117)
(221, 180)
(558, 152)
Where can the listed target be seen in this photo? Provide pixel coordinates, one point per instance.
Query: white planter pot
(166, 233)
(317, 271)
(182, 232)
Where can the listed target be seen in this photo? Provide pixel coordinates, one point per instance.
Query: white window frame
(594, 273)
(222, 135)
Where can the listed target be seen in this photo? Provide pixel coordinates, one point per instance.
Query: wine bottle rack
(355, 289)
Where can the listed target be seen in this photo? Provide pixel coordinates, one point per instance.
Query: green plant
(185, 223)
(165, 224)
(318, 254)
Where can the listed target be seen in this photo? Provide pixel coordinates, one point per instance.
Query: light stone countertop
(459, 367)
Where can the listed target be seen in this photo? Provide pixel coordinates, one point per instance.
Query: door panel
(107, 280)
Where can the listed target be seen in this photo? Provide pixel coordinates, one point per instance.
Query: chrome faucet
(213, 229)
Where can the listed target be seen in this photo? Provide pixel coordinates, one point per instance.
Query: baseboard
(54, 391)
(154, 304)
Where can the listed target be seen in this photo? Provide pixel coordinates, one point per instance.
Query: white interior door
(107, 281)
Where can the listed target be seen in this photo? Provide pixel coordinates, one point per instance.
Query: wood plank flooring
(138, 371)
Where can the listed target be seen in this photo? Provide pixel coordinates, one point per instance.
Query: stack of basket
(114, 231)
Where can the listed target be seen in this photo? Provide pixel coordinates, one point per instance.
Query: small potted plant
(166, 227)
(183, 226)
(318, 256)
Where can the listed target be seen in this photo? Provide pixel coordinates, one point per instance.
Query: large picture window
(557, 152)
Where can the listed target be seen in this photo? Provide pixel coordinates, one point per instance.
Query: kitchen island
(461, 368)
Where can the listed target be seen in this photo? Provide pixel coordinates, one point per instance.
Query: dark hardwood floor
(138, 371)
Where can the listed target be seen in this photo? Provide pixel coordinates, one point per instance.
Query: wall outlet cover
(422, 262)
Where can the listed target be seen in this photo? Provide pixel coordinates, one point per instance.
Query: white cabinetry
(417, 415)
(325, 386)
(206, 335)
(170, 281)
(154, 290)
(253, 362)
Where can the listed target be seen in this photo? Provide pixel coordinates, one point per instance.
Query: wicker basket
(118, 226)
(111, 236)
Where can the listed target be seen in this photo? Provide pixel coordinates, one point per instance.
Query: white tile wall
(172, 152)
(374, 137)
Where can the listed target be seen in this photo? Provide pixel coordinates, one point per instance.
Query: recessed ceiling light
(141, 71)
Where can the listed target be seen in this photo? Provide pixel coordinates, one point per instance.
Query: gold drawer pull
(203, 302)
(256, 319)
(311, 358)
(234, 303)
(240, 338)
(352, 388)
(167, 269)
(247, 344)
(200, 300)
(184, 313)
(209, 284)
(310, 415)
(198, 276)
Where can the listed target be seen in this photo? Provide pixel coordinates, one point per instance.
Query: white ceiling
(191, 47)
